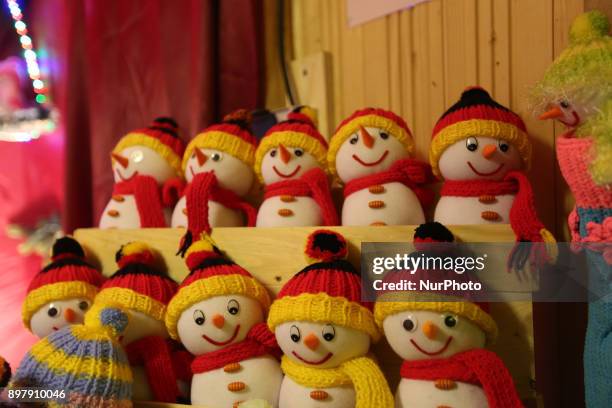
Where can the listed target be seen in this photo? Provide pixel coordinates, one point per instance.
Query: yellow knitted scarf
(371, 388)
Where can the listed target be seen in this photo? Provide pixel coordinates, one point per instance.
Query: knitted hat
(162, 136)
(477, 114)
(85, 360)
(5, 373)
(233, 136)
(427, 238)
(211, 275)
(68, 276)
(138, 284)
(299, 130)
(369, 117)
(327, 291)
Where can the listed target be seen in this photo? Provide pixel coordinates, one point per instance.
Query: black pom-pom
(67, 247)
(167, 121)
(325, 246)
(166, 125)
(433, 231)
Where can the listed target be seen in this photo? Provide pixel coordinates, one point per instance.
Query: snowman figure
(370, 154)
(440, 336)
(290, 162)
(218, 166)
(159, 365)
(143, 161)
(325, 332)
(218, 315)
(61, 293)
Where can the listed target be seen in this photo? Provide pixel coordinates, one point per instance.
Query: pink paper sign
(360, 11)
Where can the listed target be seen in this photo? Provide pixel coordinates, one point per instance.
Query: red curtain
(122, 63)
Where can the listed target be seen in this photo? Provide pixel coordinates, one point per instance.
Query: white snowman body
(231, 173)
(121, 211)
(287, 163)
(477, 158)
(322, 346)
(423, 334)
(57, 314)
(218, 322)
(367, 152)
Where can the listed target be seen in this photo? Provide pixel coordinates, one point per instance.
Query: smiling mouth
(222, 343)
(324, 359)
(432, 353)
(55, 328)
(370, 164)
(126, 179)
(485, 174)
(576, 120)
(283, 175)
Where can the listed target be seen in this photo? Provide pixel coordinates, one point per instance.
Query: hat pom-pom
(166, 123)
(134, 253)
(114, 319)
(304, 114)
(589, 26)
(242, 116)
(67, 247)
(200, 251)
(325, 246)
(432, 233)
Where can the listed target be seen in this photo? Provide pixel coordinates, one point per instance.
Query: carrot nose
(367, 138)
(122, 160)
(201, 156)
(69, 315)
(311, 341)
(488, 151)
(218, 321)
(552, 113)
(430, 330)
(285, 154)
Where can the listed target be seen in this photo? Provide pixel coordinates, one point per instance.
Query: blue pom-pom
(115, 318)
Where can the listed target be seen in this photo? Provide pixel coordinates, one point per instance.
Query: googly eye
(410, 324)
(503, 146)
(298, 152)
(471, 144)
(53, 310)
(328, 332)
(83, 305)
(136, 156)
(564, 104)
(354, 140)
(216, 157)
(233, 307)
(273, 153)
(198, 317)
(294, 332)
(384, 135)
(450, 321)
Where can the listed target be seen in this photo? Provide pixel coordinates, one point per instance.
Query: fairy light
(29, 52)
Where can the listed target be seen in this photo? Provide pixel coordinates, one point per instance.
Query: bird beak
(552, 113)
(122, 160)
(218, 321)
(201, 156)
(430, 330)
(69, 315)
(488, 151)
(367, 138)
(312, 342)
(285, 154)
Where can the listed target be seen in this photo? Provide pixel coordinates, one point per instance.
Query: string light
(29, 52)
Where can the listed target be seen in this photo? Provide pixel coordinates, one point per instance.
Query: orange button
(376, 204)
(113, 213)
(377, 189)
(490, 215)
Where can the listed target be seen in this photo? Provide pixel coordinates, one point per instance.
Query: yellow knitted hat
(369, 117)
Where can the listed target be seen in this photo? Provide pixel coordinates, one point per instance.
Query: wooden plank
(353, 77)
(395, 63)
(275, 89)
(485, 43)
(501, 51)
(437, 69)
(422, 80)
(375, 49)
(407, 73)
(335, 42)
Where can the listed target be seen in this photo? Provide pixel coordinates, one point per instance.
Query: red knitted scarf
(313, 184)
(148, 199)
(164, 363)
(204, 188)
(258, 342)
(411, 173)
(478, 367)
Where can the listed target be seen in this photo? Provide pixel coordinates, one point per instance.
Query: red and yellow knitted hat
(233, 136)
(327, 291)
(211, 275)
(299, 130)
(369, 117)
(68, 276)
(162, 136)
(138, 284)
(477, 114)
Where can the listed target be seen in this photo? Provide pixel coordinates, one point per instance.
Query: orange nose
(200, 156)
(285, 154)
(122, 160)
(366, 137)
(552, 113)
(488, 151)
(430, 330)
(311, 341)
(218, 321)
(69, 315)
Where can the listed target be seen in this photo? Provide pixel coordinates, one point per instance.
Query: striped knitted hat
(68, 276)
(85, 360)
(5, 373)
(327, 291)
(211, 275)
(233, 136)
(477, 114)
(299, 130)
(138, 284)
(162, 136)
(369, 117)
